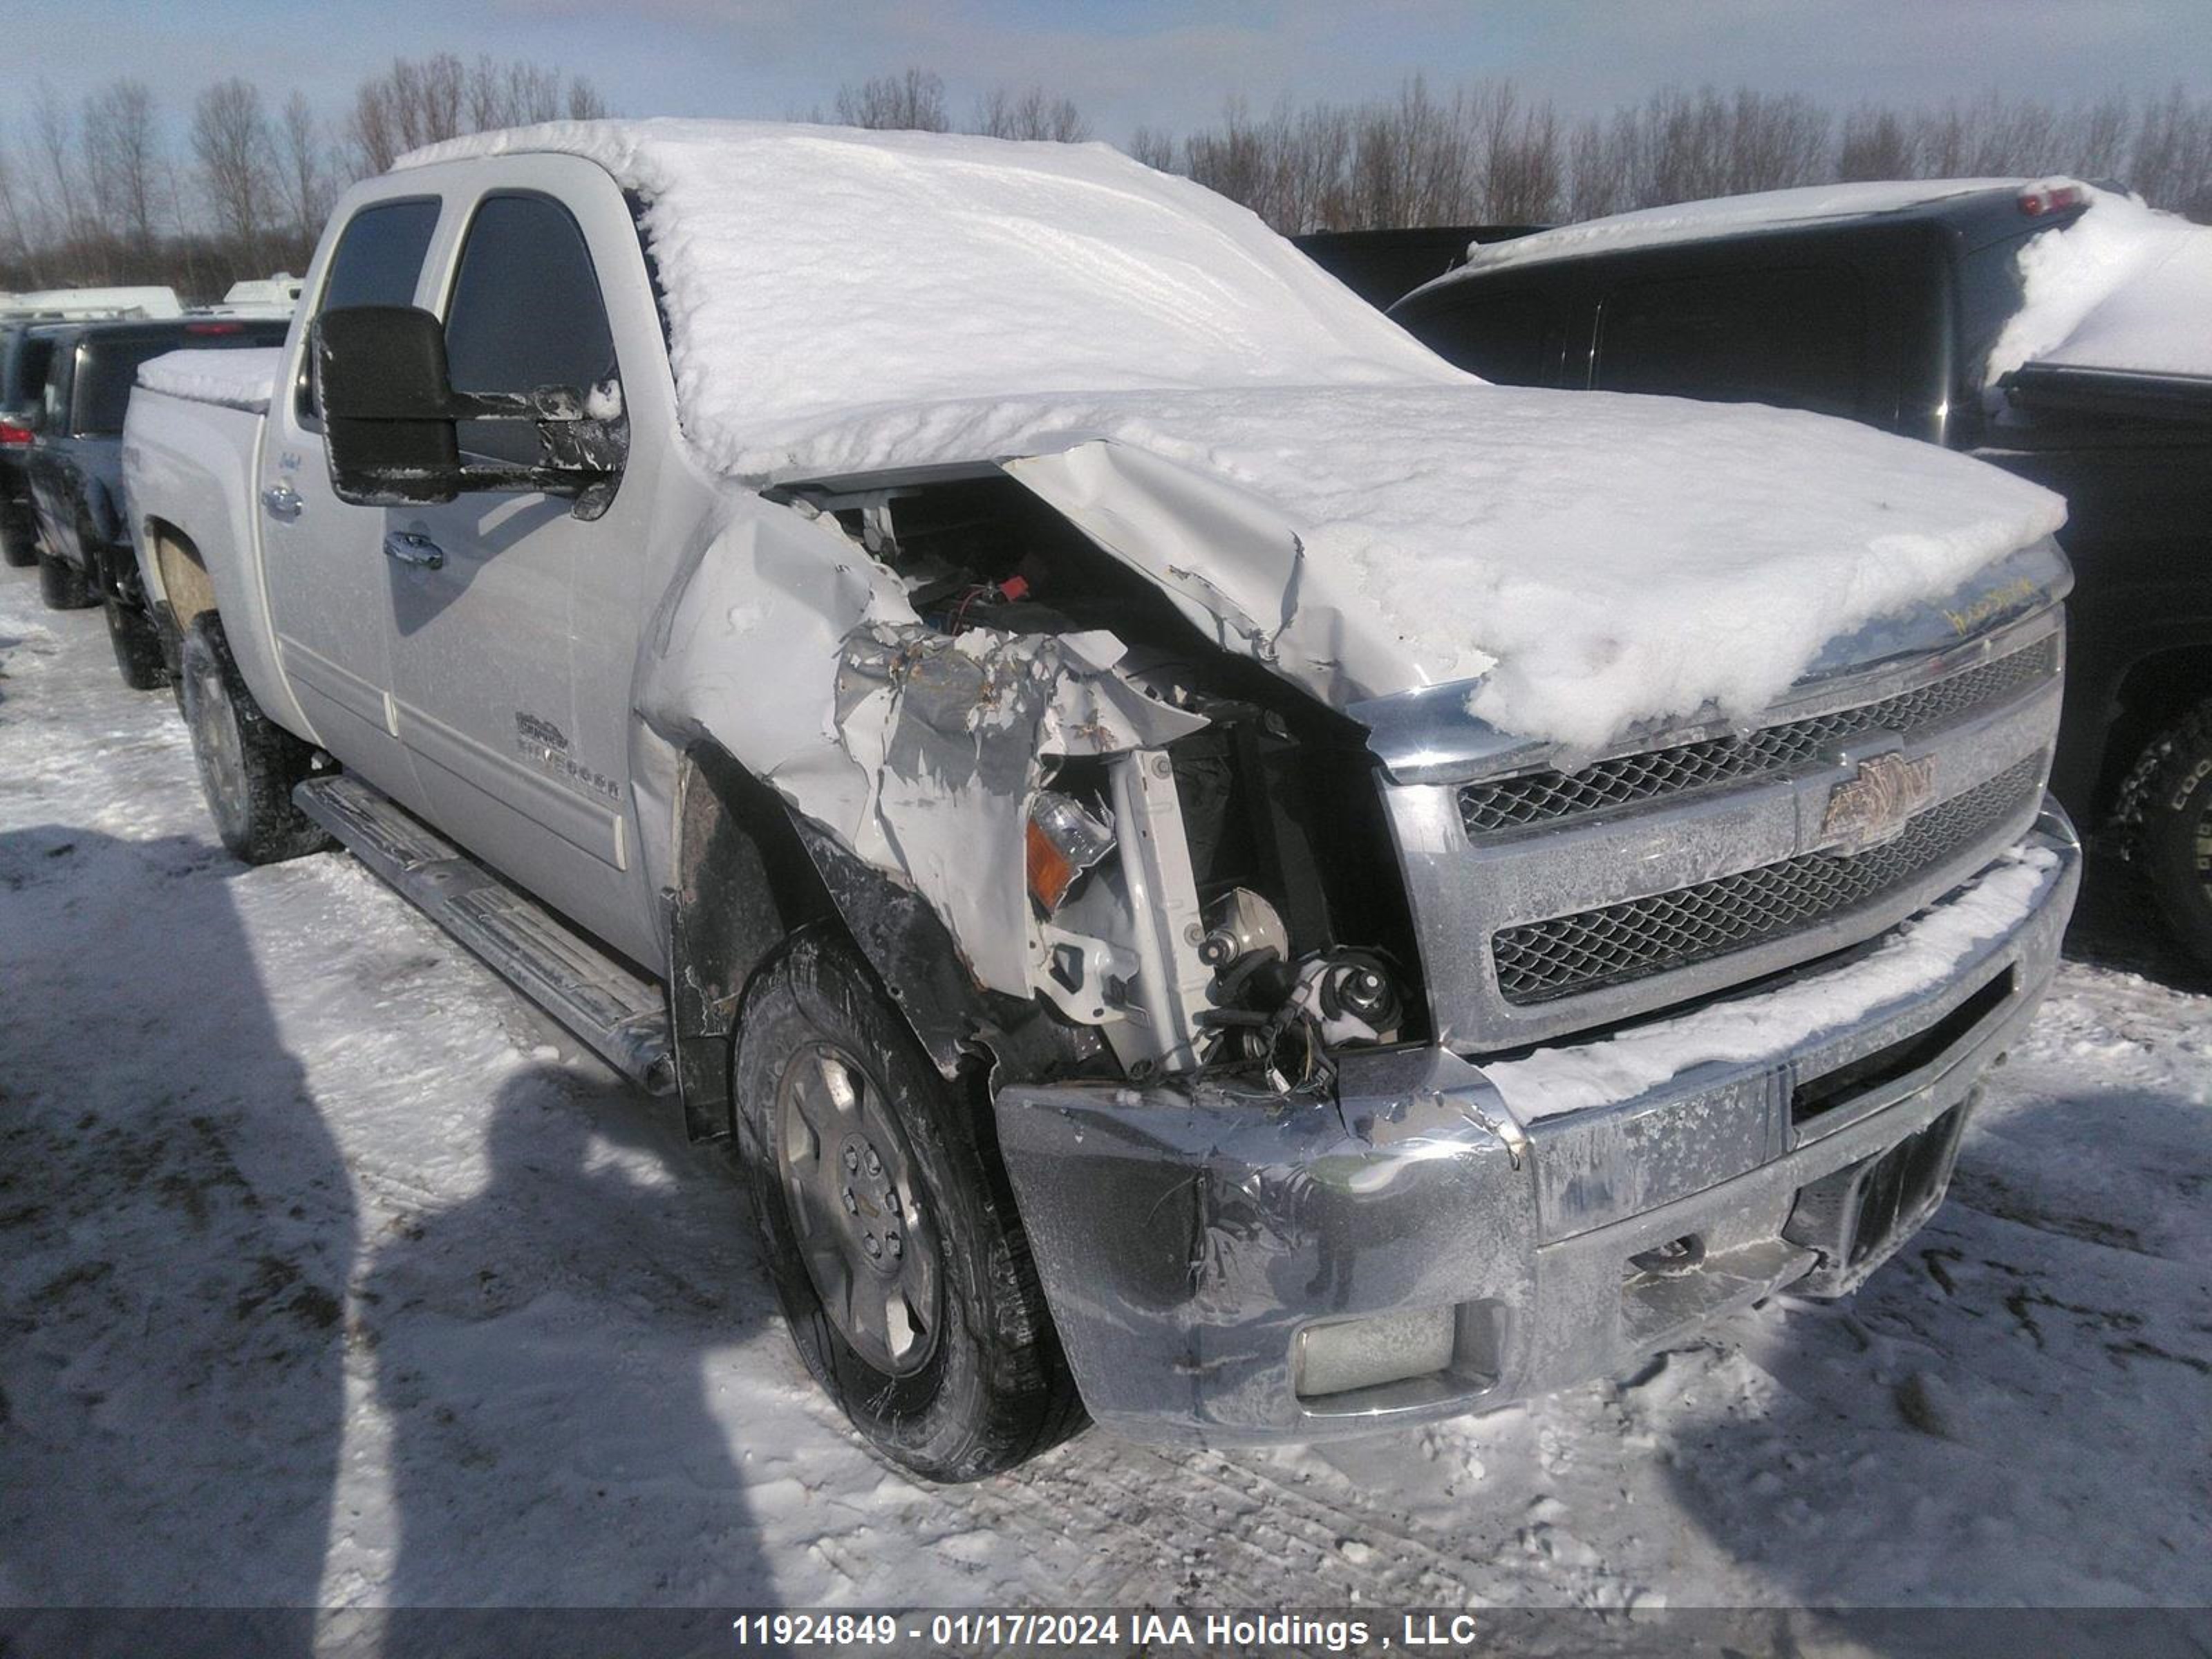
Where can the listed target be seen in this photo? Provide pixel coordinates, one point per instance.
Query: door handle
(281, 501)
(410, 548)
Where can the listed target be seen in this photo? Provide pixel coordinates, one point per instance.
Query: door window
(1789, 336)
(376, 261)
(1514, 339)
(525, 313)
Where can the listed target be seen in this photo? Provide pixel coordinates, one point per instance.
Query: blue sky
(1127, 62)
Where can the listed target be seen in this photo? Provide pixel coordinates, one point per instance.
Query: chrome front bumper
(1187, 1239)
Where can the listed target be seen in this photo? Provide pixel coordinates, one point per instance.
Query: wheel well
(750, 873)
(2156, 692)
(185, 581)
(744, 883)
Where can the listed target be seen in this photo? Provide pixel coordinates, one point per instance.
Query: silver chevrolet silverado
(1135, 974)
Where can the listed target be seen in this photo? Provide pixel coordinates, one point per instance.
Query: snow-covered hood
(1279, 456)
(1581, 561)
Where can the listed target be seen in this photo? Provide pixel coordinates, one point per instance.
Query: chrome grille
(1486, 809)
(1619, 943)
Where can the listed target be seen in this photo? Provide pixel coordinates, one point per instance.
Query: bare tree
(1522, 165)
(911, 101)
(235, 155)
(1877, 143)
(55, 135)
(584, 103)
(1153, 147)
(303, 169)
(2170, 160)
(1001, 113)
(20, 225)
(425, 100)
(122, 154)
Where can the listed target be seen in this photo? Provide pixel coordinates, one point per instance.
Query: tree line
(1488, 153)
(101, 193)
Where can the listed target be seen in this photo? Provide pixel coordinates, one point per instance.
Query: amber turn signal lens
(1063, 839)
(1051, 872)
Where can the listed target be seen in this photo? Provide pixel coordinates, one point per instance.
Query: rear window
(106, 369)
(1790, 337)
(27, 358)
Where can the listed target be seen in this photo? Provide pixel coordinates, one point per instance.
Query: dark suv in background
(25, 349)
(1888, 317)
(76, 469)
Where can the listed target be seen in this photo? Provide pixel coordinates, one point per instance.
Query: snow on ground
(333, 1274)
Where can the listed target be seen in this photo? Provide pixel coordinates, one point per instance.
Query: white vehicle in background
(266, 296)
(86, 304)
(1219, 871)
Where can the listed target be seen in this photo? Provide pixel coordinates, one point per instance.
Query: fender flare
(750, 871)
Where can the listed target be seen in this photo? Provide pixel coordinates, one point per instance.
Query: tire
(62, 585)
(2174, 844)
(248, 765)
(837, 1108)
(137, 645)
(19, 542)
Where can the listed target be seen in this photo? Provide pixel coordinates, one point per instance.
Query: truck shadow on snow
(176, 1228)
(541, 1352)
(2117, 925)
(188, 1283)
(2008, 1412)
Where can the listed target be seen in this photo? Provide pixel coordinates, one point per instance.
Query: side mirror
(387, 405)
(390, 416)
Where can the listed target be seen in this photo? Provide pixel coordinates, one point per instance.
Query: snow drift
(845, 302)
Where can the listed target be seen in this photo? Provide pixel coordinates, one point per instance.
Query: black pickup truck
(1889, 315)
(75, 468)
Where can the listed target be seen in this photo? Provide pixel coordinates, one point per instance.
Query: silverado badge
(1872, 806)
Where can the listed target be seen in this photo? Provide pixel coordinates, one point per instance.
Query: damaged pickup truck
(1218, 871)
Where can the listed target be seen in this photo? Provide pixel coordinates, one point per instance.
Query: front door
(513, 620)
(322, 557)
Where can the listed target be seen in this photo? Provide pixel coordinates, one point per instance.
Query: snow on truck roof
(241, 377)
(2123, 287)
(843, 302)
(813, 271)
(1723, 216)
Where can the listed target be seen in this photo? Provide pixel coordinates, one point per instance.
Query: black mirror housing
(386, 400)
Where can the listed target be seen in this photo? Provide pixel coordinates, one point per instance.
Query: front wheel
(2175, 842)
(62, 585)
(248, 764)
(900, 1264)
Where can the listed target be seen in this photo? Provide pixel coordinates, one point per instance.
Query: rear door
(46, 465)
(323, 559)
(514, 621)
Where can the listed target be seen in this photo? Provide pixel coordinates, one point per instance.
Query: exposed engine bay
(1218, 894)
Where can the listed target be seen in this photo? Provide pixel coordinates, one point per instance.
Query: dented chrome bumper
(1205, 1252)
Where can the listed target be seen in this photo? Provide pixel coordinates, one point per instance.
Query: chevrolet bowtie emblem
(1873, 805)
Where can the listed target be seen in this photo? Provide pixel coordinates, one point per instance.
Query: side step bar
(618, 1014)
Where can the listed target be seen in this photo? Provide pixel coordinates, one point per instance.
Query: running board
(619, 1015)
